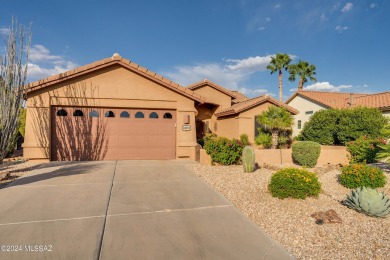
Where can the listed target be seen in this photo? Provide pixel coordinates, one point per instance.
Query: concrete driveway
(124, 210)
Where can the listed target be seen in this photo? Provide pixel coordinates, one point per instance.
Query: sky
(229, 42)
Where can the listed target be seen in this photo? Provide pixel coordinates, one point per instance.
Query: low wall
(329, 155)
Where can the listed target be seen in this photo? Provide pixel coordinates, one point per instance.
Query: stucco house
(114, 109)
(308, 102)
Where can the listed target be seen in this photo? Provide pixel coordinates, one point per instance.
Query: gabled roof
(250, 103)
(235, 95)
(379, 100)
(115, 60)
(342, 100)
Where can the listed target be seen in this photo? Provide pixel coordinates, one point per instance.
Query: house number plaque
(185, 127)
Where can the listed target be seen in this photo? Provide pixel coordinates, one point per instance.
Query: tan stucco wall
(247, 120)
(113, 86)
(228, 127)
(303, 105)
(221, 101)
(329, 155)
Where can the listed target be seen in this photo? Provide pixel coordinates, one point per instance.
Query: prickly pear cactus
(368, 201)
(248, 159)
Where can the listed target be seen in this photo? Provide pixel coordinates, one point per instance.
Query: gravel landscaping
(289, 222)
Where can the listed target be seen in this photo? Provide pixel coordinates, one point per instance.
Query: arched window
(93, 113)
(139, 114)
(153, 115)
(168, 115)
(109, 114)
(78, 113)
(125, 114)
(62, 112)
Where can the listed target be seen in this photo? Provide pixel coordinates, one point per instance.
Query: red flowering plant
(363, 149)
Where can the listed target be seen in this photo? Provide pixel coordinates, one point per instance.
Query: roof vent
(116, 55)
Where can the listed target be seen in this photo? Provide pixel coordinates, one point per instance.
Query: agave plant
(368, 201)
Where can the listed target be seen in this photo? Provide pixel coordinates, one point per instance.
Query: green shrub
(321, 127)
(363, 149)
(264, 139)
(362, 175)
(222, 150)
(339, 126)
(359, 121)
(306, 153)
(244, 139)
(295, 183)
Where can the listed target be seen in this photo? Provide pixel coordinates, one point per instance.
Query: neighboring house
(114, 109)
(230, 113)
(308, 102)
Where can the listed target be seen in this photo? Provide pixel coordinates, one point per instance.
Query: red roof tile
(247, 104)
(342, 100)
(118, 60)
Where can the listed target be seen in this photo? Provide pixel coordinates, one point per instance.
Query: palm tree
(304, 70)
(276, 119)
(277, 64)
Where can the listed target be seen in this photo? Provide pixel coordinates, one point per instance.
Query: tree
(13, 74)
(277, 64)
(276, 119)
(304, 71)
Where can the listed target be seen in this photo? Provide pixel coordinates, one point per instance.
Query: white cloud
(324, 86)
(39, 53)
(323, 18)
(341, 29)
(36, 71)
(347, 7)
(268, 19)
(261, 28)
(4, 31)
(277, 5)
(254, 92)
(250, 64)
(373, 5)
(43, 64)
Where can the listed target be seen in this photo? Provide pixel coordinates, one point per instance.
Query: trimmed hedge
(295, 183)
(306, 153)
(363, 149)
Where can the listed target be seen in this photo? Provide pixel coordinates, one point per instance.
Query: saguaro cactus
(248, 159)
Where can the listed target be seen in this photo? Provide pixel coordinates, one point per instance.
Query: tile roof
(342, 100)
(115, 59)
(249, 103)
(235, 95)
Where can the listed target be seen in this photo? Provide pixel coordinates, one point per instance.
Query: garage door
(81, 134)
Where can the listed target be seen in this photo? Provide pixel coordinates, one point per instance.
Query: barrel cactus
(368, 201)
(248, 159)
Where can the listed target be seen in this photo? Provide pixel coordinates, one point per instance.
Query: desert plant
(295, 183)
(277, 64)
(244, 139)
(363, 149)
(264, 139)
(275, 119)
(306, 153)
(248, 159)
(222, 150)
(304, 70)
(384, 152)
(368, 201)
(361, 175)
(13, 75)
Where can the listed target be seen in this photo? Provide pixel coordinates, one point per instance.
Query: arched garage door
(83, 134)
